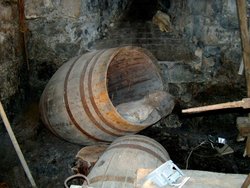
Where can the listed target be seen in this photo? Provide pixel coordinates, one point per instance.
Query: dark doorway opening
(144, 10)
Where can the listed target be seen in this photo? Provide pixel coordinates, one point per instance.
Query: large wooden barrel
(118, 165)
(78, 103)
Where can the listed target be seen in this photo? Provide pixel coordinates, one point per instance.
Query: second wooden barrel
(78, 103)
(118, 165)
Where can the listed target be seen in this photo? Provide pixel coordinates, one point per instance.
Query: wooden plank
(242, 16)
(243, 21)
(198, 179)
(244, 103)
(236, 104)
(247, 182)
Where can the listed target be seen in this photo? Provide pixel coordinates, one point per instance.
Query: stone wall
(212, 29)
(201, 56)
(203, 51)
(11, 61)
(61, 29)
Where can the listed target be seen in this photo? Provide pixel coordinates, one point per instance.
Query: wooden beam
(246, 182)
(244, 103)
(243, 23)
(244, 33)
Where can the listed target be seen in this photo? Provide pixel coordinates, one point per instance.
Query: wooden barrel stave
(79, 101)
(57, 112)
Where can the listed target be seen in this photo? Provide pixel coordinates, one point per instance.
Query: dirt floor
(194, 136)
(51, 158)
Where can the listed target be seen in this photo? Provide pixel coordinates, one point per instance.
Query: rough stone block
(33, 9)
(5, 13)
(71, 8)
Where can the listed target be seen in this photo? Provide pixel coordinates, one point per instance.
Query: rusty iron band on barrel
(141, 141)
(68, 108)
(133, 146)
(84, 101)
(95, 106)
(112, 178)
